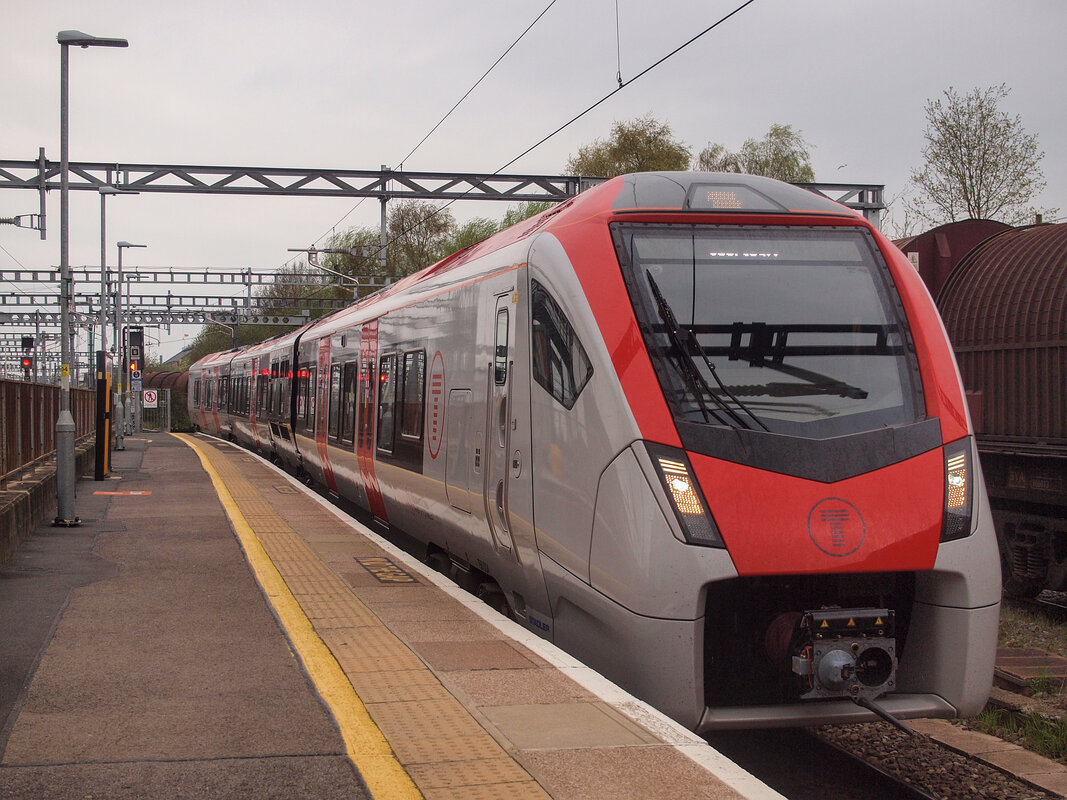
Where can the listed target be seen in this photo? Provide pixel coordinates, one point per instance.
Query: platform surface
(212, 629)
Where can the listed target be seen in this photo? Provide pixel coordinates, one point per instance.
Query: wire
(572, 120)
(624, 84)
(476, 83)
(47, 290)
(446, 116)
(618, 46)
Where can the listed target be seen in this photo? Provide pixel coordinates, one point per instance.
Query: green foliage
(361, 262)
(524, 211)
(979, 163)
(418, 235)
(782, 154)
(641, 145)
(470, 233)
(1047, 737)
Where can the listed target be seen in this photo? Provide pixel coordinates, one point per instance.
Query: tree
(469, 233)
(362, 261)
(979, 163)
(782, 154)
(419, 231)
(642, 145)
(531, 208)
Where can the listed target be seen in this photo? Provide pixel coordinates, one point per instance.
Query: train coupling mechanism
(846, 652)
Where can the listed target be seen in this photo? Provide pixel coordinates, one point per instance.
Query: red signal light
(27, 362)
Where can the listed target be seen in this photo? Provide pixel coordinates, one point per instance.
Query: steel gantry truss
(384, 184)
(40, 174)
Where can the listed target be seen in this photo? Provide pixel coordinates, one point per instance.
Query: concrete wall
(27, 503)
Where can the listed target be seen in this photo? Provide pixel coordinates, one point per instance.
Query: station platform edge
(429, 692)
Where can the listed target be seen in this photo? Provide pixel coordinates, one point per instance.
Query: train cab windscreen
(789, 330)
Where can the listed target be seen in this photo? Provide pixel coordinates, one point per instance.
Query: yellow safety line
(364, 742)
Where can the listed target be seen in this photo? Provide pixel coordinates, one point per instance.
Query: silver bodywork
(564, 511)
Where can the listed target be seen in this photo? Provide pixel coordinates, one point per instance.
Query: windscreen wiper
(697, 384)
(769, 345)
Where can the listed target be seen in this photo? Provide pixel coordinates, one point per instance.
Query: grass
(1022, 627)
(1035, 732)
(1042, 731)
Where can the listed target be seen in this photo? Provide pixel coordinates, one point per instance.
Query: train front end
(829, 551)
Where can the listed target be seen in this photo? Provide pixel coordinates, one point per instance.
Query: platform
(214, 629)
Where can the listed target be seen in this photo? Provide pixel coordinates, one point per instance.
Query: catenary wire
(447, 115)
(572, 120)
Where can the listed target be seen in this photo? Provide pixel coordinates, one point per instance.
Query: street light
(120, 355)
(65, 428)
(105, 192)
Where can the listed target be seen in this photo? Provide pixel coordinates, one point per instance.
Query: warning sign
(150, 399)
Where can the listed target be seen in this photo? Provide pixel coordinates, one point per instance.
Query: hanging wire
(618, 47)
(578, 116)
(466, 94)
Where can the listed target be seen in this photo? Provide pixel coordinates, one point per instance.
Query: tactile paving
(445, 749)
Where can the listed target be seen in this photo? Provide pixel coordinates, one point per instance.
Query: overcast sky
(354, 85)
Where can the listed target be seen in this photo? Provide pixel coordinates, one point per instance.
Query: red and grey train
(705, 432)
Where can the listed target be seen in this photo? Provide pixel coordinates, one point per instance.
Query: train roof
(719, 193)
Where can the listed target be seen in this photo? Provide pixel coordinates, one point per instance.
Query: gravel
(928, 765)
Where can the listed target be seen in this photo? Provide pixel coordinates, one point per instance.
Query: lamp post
(105, 192)
(65, 427)
(120, 355)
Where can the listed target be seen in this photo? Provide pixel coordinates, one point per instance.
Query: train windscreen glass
(789, 330)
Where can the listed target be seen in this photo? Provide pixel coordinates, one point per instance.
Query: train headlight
(959, 491)
(688, 502)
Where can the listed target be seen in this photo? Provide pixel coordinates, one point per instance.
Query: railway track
(801, 766)
(1055, 608)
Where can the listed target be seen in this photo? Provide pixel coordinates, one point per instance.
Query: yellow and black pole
(103, 415)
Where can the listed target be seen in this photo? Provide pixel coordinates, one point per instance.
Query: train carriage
(705, 432)
(209, 393)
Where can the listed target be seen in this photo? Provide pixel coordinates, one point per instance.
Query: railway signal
(27, 357)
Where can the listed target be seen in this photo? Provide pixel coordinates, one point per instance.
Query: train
(1005, 308)
(703, 431)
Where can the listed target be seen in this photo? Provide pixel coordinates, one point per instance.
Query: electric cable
(601, 101)
(446, 116)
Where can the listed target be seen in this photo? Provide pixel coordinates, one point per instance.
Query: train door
(368, 388)
(253, 399)
(328, 381)
(506, 479)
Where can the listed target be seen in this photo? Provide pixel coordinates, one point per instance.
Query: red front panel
(773, 524)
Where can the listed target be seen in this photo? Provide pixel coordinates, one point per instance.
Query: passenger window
(560, 364)
(262, 390)
(348, 402)
(500, 349)
(414, 388)
(309, 406)
(386, 402)
(366, 401)
(335, 400)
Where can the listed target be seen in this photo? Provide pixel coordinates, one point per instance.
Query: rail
(28, 414)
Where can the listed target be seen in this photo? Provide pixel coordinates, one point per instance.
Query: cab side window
(560, 364)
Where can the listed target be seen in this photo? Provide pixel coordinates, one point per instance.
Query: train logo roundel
(437, 403)
(836, 527)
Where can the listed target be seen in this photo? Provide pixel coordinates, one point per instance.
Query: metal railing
(28, 414)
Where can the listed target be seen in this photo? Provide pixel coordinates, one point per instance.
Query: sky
(354, 85)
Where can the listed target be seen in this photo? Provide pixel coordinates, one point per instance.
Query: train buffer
(214, 630)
